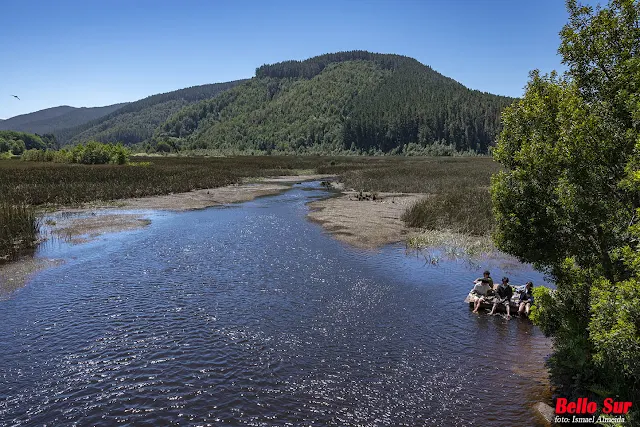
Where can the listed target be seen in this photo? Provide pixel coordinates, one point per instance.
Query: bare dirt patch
(200, 199)
(365, 223)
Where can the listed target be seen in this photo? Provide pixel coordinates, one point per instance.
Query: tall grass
(41, 183)
(19, 228)
(465, 210)
(430, 175)
(456, 188)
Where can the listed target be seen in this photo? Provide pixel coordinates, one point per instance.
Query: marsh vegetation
(455, 189)
(19, 227)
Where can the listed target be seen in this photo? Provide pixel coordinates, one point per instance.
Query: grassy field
(457, 187)
(430, 175)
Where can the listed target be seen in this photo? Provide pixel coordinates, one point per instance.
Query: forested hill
(51, 119)
(136, 121)
(358, 101)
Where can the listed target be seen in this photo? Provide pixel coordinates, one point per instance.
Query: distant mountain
(46, 114)
(348, 101)
(137, 121)
(52, 119)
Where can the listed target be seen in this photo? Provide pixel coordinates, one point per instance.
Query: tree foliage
(568, 198)
(136, 122)
(311, 67)
(91, 153)
(347, 101)
(17, 142)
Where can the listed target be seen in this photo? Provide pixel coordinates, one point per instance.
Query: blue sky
(94, 53)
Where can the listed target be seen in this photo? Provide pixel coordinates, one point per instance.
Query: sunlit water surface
(252, 315)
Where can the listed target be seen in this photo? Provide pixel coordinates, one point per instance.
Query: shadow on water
(252, 315)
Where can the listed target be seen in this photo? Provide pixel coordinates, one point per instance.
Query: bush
(17, 147)
(93, 153)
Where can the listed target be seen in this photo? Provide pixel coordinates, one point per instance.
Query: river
(250, 314)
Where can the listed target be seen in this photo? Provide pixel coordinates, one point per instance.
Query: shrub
(93, 153)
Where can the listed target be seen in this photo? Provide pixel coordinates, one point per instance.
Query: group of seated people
(484, 291)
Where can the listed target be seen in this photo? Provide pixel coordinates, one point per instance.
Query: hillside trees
(137, 121)
(17, 142)
(348, 101)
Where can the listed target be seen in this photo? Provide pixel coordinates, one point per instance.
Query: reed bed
(19, 227)
(429, 175)
(456, 188)
(36, 183)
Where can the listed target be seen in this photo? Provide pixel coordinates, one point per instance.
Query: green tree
(17, 147)
(568, 198)
(163, 147)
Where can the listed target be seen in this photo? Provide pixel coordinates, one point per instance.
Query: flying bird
(16, 96)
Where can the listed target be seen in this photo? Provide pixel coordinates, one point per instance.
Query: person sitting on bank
(504, 294)
(483, 287)
(526, 299)
(486, 278)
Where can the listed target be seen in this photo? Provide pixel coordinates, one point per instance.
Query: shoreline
(368, 223)
(363, 220)
(15, 274)
(87, 222)
(91, 221)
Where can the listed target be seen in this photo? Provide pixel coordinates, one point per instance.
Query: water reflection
(251, 315)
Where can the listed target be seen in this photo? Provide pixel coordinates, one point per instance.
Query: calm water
(252, 315)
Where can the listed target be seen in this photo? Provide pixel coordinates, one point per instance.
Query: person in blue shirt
(526, 299)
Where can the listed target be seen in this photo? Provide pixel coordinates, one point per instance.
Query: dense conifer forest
(349, 101)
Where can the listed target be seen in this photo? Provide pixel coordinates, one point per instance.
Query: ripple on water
(251, 315)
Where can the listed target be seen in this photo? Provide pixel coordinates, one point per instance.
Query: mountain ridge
(51, 119)
(354, 101)
(136, 121)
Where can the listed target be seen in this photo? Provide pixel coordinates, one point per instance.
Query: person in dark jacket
(526, 299)
(503, 296)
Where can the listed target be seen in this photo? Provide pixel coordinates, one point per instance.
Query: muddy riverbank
(83, 224)
(95, 224)
(359, 222)
(365, 222)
